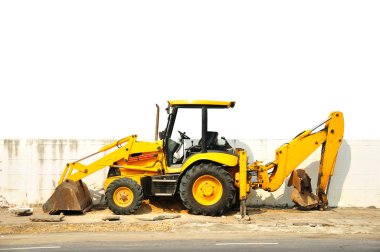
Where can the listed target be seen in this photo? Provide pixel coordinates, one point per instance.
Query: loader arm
(290, 155)
(76, 171)
(71, 193)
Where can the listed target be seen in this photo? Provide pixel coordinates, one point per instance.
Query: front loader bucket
(302, 194)
(69, 196)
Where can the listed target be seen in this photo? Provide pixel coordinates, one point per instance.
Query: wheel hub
(123, 196)
(207, 190)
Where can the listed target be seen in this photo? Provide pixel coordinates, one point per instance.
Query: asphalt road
(185, 242)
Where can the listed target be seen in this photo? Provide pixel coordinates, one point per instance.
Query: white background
(95, 69)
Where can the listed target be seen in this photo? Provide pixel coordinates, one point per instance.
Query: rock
(159, 217)
(326, 225)
(111, 218)
(238, 216)
(3, 202)
(244, 219)
(281, 224)
(21, 211)
(47, 218)
(301, 224)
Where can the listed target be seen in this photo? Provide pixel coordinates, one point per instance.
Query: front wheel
(207, 189)
(124, 196)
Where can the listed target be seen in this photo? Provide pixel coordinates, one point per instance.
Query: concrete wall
(30, 169)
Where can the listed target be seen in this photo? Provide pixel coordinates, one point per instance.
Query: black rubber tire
(186, 185)
(137, 196)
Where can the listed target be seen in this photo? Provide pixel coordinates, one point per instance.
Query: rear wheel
(124, 196)
(207, 189)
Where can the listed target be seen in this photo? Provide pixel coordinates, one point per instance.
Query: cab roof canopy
(201, 103)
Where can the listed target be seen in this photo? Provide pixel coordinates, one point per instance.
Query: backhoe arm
(330, 148)
(290, 155)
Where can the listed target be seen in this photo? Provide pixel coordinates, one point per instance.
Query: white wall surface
(30, 170)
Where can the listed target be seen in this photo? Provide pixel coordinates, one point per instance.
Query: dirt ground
(268, 220)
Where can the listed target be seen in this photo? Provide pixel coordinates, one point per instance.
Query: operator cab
(177, 151)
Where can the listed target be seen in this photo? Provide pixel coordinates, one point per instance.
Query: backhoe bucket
(302, 194)
(69, 196)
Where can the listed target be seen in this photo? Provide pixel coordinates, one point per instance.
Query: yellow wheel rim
(207, 190)
(123, 196)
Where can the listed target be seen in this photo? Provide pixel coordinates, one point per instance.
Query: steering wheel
(183, 135)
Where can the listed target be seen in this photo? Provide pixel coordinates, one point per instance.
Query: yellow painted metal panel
(135, 177)
(290, 156)
(330, 148)
(228, 104)
(218, 157)
(146, 147)
(243, 174)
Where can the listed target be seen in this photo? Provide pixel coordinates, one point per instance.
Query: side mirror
(162, 134)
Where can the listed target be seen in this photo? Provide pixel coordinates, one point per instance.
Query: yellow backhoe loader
(209, 176)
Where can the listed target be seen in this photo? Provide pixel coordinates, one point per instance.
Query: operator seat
(211, 139)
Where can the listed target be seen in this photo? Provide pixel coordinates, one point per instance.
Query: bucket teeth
(69, 196)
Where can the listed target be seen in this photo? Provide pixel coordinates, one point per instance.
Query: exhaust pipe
(157, 122)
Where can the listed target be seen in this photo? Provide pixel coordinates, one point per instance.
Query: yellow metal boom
(76, 171)
(290, 155)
